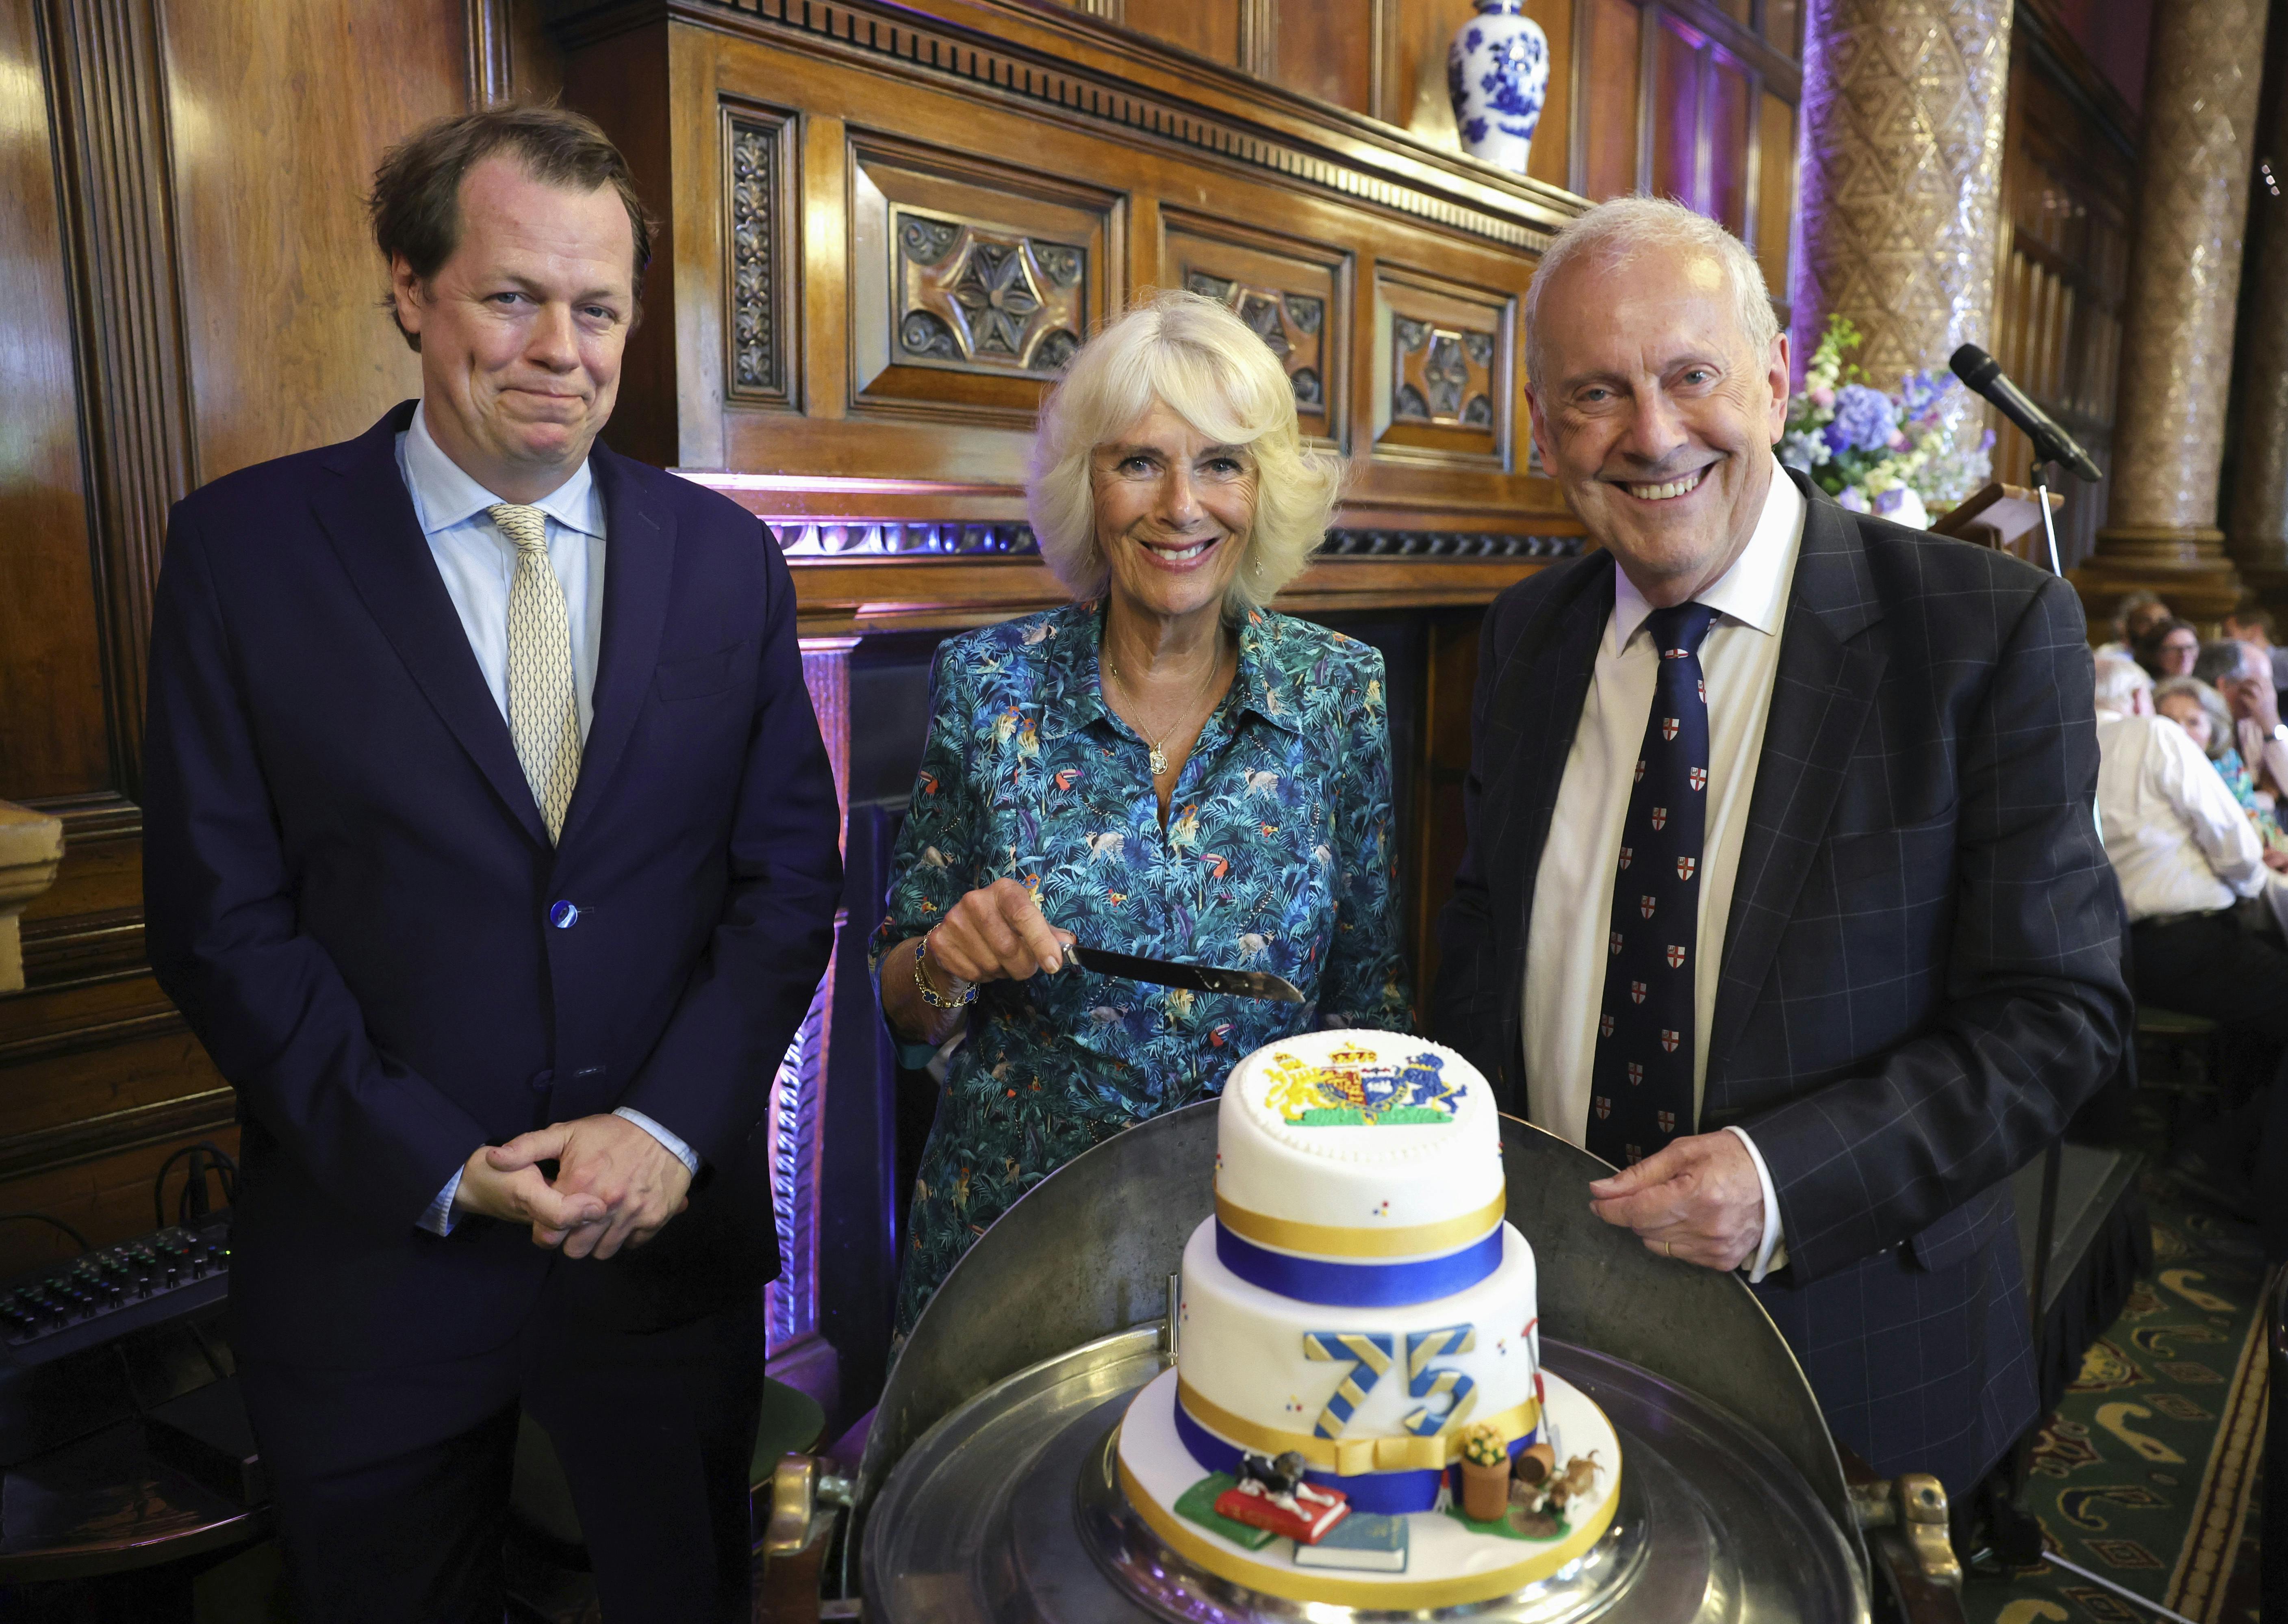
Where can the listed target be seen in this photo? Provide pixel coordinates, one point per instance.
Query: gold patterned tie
(543, 713)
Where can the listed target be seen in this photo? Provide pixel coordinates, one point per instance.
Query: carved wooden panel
(971, 285)
(1295, 295)
(969, 294)
(1442, 372)
(758, 193)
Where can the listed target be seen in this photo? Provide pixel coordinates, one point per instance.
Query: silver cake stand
(987, 1492)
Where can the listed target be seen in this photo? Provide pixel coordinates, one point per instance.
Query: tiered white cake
(1358, 1299)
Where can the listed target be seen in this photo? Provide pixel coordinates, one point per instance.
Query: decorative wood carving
(1296, 296)
(797, 1093)
(971, 282)
(1443, 372)
(112, 133)
(1291, 325)
(972, 295)
(758, 188)
(806, 539)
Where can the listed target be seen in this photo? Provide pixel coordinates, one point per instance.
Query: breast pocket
(1880, 870)
(674, 680)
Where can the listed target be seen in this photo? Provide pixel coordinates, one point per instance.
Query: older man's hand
(1698, 1200)
(635, 1183)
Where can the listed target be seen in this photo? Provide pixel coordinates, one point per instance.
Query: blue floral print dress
(1277, 855)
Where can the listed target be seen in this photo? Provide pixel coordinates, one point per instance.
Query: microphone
(2052, 444)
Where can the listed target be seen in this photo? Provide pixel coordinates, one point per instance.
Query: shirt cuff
(676, 1147)
(1771, 1252)
(440, 1219)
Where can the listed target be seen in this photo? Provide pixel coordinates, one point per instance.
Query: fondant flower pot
(1485, 1491)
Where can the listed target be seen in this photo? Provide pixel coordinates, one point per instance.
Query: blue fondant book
(1362, 1540)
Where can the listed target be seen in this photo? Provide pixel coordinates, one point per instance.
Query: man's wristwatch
(968, 995)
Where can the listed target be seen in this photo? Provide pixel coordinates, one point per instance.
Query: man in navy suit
(1783, 891)
(491, 850)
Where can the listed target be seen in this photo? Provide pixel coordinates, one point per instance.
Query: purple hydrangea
(1918, 391)
(1865, 419)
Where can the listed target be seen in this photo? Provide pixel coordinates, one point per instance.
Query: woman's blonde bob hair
(1198, 359)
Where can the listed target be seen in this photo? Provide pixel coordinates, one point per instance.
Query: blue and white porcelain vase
(1497, 74)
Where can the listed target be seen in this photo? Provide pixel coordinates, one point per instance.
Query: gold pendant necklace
(1158, 757)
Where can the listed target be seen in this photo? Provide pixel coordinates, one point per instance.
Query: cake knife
(1198, 977)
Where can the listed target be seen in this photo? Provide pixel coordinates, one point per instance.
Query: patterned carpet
(2150, 1473)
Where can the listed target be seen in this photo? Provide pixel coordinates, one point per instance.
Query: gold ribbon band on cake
(1348, 1457)
(1337, 1241)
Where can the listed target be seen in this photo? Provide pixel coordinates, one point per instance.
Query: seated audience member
(2200, 710)
(2252, 622)
(2138, 612)
(2185, 854)
(2242, 677)
(1165, 765)
(2169, 648)
(2123, 688)
(2180, 844)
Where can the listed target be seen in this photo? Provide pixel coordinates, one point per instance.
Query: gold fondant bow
(1348, 1457)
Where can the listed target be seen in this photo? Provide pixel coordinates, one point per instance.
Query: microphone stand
(2042, 497)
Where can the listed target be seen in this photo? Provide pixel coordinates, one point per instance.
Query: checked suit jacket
(1922, 973)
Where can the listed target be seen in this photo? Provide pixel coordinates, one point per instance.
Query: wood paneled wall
(190, 289)
(2068, 168)
(1691, 99)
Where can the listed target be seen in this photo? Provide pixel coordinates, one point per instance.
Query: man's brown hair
(2252, 614)
(415, 203)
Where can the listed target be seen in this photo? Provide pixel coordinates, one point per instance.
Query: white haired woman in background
(1164, 767)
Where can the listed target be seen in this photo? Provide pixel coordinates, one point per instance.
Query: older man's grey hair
(1613, 234)
(2118, 681)
(2223, 660)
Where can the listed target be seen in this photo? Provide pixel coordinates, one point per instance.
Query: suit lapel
(1826, 681)
(1543, 687)
(367, 515)
(638, 569)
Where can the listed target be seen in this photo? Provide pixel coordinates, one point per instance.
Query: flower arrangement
(1897, 456)
(1482, 1445)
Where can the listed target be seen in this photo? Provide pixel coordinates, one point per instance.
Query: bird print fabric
(1277, 855)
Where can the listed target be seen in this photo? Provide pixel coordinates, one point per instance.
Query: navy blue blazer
(1922, 973)
(347, 889)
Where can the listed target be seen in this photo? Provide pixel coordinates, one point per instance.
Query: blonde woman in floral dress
(1164, 767)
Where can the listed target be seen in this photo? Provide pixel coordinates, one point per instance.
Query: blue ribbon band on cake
(1357, 1466)
(1345, 1285)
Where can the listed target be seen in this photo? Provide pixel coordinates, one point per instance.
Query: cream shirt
(2177, 839)
(1573, 893)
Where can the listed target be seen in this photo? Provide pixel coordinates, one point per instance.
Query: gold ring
(1671, 1247)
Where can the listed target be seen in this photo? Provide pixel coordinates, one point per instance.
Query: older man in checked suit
(1784, 893)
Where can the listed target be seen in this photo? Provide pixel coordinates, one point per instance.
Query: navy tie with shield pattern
(1640, 1083)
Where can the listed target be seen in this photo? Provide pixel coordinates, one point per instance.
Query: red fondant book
(1303, 1515)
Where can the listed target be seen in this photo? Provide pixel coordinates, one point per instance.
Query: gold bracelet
(929, 994)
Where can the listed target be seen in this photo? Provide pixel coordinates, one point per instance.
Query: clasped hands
(1696, 1199)
(615, 1186)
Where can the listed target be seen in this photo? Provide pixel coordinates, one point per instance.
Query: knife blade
(1198, 977)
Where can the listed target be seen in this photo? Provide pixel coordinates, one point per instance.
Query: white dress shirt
(477, 563)
(1566, 952)
(2266, 753)
(2178, 840)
